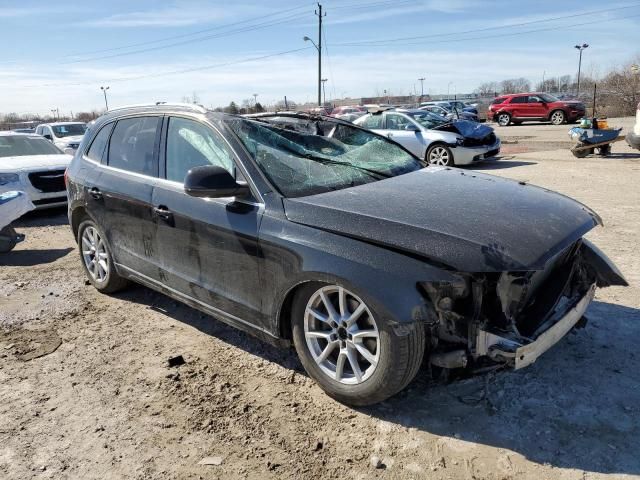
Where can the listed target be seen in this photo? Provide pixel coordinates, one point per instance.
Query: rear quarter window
(97, 148)
(498, 101)
(372, 122)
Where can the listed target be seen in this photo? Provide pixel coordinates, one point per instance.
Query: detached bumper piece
(520, 352)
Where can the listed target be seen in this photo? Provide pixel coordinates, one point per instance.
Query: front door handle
(163, 212)
(95, 193)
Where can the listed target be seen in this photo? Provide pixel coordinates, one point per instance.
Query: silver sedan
(437, 141)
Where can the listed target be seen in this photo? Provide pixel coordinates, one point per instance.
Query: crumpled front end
(512, 318)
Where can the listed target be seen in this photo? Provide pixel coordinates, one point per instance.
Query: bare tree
(487, 89)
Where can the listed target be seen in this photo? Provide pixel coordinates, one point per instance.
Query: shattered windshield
(305, 157)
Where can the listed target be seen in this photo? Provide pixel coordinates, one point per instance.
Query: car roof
(62, 123)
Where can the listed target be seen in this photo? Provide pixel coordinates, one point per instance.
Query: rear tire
(7, 239)
(503, 119)
(386, 363)
(97, 260)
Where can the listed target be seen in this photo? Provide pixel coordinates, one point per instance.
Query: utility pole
(580, 48)
(255, 99)
(56, 113)
(319, 49)
(543, 73)
(422, 79)
(104, 90)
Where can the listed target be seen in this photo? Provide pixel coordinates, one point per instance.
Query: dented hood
(465, 220)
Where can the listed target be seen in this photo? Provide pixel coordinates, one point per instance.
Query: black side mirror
(411, 127)
(212, 181)
(47, 136)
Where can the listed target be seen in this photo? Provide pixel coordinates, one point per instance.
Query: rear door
(519, 107)
(396, 130)
(207, 248)
(120, 193)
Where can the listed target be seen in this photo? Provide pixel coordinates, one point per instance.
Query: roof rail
(192, 106)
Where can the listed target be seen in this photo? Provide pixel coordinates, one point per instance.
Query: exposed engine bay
(511, 318)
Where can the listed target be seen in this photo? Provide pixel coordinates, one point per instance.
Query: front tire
(7, 239)
(347, 348)
(558, 117)
(97, 259)
(439, 154)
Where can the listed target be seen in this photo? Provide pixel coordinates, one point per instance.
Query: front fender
(294, 254)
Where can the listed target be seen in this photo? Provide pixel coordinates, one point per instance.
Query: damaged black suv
(311, 231)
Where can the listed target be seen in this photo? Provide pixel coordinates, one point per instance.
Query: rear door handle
(163, 212)
(95, 193)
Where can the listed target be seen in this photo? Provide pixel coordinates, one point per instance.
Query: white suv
(64, 135)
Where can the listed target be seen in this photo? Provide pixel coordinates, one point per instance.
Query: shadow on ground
(500, 164)
(43, 218)
(577, 407)
(29, 258)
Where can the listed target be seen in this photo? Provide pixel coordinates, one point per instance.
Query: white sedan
(34, 165)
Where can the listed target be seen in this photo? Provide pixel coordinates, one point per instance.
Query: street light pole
(448, 86)
(324, 95)
(580, 48)
(422, 79)
(104, 90)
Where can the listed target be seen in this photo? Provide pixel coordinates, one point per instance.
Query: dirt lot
(85, 390)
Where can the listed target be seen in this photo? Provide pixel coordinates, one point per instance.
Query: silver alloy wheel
(342, 335)
(503, 119)
(557, 118)
(439, 156)
(94, 253)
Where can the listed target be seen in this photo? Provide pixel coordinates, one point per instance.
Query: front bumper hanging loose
(520, 354)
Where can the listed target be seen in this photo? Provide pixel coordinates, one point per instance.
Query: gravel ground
(85, 390)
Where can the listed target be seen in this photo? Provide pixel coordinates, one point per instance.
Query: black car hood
(467, 129)
(463, 220)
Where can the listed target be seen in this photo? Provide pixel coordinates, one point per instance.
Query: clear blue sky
(57, 54)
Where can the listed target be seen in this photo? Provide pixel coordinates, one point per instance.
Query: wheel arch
(77, 215)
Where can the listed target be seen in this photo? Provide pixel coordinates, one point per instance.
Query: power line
(175, 37)
(498, 35)
(172, 72)
(437, 35)
(356, 6)
(249, 28)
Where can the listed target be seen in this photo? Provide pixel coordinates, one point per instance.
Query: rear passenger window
(99, 143)
(132, 145)
(524, 99)
(372, 122)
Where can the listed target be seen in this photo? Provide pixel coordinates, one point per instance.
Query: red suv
(520, 107)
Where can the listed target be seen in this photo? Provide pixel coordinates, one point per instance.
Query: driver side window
(191, 144)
